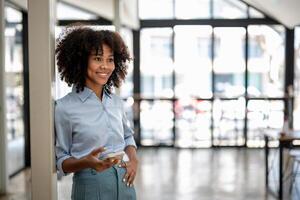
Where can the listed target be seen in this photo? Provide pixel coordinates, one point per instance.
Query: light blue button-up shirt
(83, 123)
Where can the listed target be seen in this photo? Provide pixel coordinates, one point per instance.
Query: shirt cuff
(61, 172)
(130, 142)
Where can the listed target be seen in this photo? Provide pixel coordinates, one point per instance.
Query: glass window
(65, 12)
(156, 122)
(14, 89)
(61, 88)
(229, 9)
(193, 123)
(192, 9)
(128, 107)
(126, 89)
(12, 15)
(266, 61)
(193, 65)
(228, 119)
(156, 9)
(263, 116)
(229, 62)
(297, 80)
(156, 62)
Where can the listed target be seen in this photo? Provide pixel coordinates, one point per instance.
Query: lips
(102, 74)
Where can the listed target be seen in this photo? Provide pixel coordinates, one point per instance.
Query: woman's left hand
(131, 169)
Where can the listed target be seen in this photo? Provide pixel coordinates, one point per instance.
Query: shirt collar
(83, 95)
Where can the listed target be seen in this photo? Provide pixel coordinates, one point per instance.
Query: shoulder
(62, 104)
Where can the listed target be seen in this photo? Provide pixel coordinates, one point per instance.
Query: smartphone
(113, 156)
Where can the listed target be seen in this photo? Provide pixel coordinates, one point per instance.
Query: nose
(103, 66)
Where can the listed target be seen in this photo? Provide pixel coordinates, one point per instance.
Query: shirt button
(94, 172)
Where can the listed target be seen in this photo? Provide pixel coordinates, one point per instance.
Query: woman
(90, 121)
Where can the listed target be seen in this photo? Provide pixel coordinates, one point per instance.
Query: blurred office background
(206, 75)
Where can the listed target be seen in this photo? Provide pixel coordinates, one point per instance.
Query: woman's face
(100, 67)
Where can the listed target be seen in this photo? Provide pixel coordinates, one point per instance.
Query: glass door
(14, 90)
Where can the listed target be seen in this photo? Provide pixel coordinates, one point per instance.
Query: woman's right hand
(93, 161)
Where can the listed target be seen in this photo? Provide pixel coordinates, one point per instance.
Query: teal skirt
(89, 184)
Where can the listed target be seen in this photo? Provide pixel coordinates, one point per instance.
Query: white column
(41, 25)
(117, 20)
(117, 24)
(3, 135)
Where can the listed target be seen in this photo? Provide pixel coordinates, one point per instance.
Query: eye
(111, 59)
(98, 58)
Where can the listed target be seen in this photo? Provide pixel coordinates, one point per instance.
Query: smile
(102, 74)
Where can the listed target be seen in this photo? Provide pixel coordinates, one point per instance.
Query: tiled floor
(183, 174)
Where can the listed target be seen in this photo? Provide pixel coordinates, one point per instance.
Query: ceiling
(286, 12)
(103, 8)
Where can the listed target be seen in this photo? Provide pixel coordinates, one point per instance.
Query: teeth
(102, 74)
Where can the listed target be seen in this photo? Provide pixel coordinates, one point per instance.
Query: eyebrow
(93, 54)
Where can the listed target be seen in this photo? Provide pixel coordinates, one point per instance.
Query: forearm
(73, 165)
(131, 153)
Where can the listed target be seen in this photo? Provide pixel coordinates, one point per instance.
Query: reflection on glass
(263, 117)
(229, 9)
(156, 122)
(266, 61)
(297, 80)
(14, 89)
(228, 118)
(229, 62)
(156, 9)
(192, 9)
(193, 64)
(156, 62)
(193, 123)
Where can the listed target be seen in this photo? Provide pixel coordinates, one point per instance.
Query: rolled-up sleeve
(128, 132)
(63, 134)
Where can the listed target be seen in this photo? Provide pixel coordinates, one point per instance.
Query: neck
(98, 90)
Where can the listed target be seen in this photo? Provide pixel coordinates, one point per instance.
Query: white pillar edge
(117, 24)
(41, 27)
(3, 129)
(117, 20)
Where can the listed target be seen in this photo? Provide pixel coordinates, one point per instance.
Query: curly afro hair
(74, 46)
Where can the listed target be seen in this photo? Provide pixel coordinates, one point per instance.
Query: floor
(16, 153)
(182, 174)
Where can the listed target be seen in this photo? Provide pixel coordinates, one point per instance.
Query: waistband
(89, 171)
